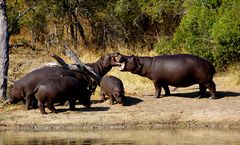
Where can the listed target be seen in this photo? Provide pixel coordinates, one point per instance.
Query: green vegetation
(207, 28)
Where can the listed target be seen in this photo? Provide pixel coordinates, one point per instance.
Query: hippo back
(110, 83)
(27, 84)
(181, 70)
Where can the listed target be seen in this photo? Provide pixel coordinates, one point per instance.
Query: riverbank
(142, 111)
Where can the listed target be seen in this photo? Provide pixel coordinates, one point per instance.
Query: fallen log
(73, 56)
(87, 71)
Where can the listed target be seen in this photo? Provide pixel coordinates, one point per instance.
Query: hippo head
(129, 63)
(119, 96)
(110, 59)
(86, 94)
(15, 95)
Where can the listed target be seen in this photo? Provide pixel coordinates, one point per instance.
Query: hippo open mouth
(120, 60)
(116, 61)
(122, 67)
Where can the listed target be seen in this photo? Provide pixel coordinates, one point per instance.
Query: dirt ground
(180, 110)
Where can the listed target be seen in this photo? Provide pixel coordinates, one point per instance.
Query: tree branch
(81, 65)
(87, 72)
(14, 24)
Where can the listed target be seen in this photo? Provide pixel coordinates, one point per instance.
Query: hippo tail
(212, 69)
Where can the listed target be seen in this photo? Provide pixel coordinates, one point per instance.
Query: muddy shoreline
(127, 126)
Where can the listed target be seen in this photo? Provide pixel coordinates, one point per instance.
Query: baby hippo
(60, 89)
(112, 87)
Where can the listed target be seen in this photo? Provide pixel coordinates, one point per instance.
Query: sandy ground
(181, 110)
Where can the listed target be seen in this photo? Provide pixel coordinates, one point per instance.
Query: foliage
(99, 23)
(226, 33)
(210, 28)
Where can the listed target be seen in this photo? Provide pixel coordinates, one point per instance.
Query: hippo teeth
(122, 66)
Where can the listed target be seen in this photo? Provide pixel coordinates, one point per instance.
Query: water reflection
(142, 137)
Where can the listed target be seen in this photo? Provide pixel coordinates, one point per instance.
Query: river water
(122, 137)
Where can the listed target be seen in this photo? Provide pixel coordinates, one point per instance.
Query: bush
(209, 29)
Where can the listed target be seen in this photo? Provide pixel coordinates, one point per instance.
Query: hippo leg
(212, 89)
(158, 89)
(87, 103)
(72, 104)
(41, 107)
(51, 107)
(29, 101)
(111, 100)
(34, 103)
(166, 89)
(102, 95)
(202, 91)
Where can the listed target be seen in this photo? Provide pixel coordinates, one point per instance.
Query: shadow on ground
(130, 101)
(84, 109)
(219, 95)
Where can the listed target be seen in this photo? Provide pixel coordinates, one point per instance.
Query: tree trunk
(4, 50)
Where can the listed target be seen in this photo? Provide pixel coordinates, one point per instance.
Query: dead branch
(60, 60)
(63, 63)
(89, 74)
(88, 70)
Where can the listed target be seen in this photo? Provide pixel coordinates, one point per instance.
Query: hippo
(60, 89)
(112, 87)
(180, 70)
(23, 89)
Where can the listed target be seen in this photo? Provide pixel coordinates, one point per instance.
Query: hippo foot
(157, 96)
(211, 97)
(166, 95)
(66, 103)
(102, 100)
(73, 109)
(35, 107)
(54, 111)
(198, 97)
(111, 103)
(87, 106)
(44, 113)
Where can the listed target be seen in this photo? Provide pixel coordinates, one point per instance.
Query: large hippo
(181, 70)
(23, 89)
(61, 89)
(112, 87)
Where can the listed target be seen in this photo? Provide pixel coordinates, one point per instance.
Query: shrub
(210, 29)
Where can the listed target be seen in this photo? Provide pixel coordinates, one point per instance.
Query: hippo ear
(135, 59)
(131, 59)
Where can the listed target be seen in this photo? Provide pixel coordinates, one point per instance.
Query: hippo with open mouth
(181, 70)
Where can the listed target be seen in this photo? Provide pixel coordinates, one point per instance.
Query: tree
(4, 50)
(4, 46)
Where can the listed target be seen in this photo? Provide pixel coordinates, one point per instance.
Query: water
(122, 137)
